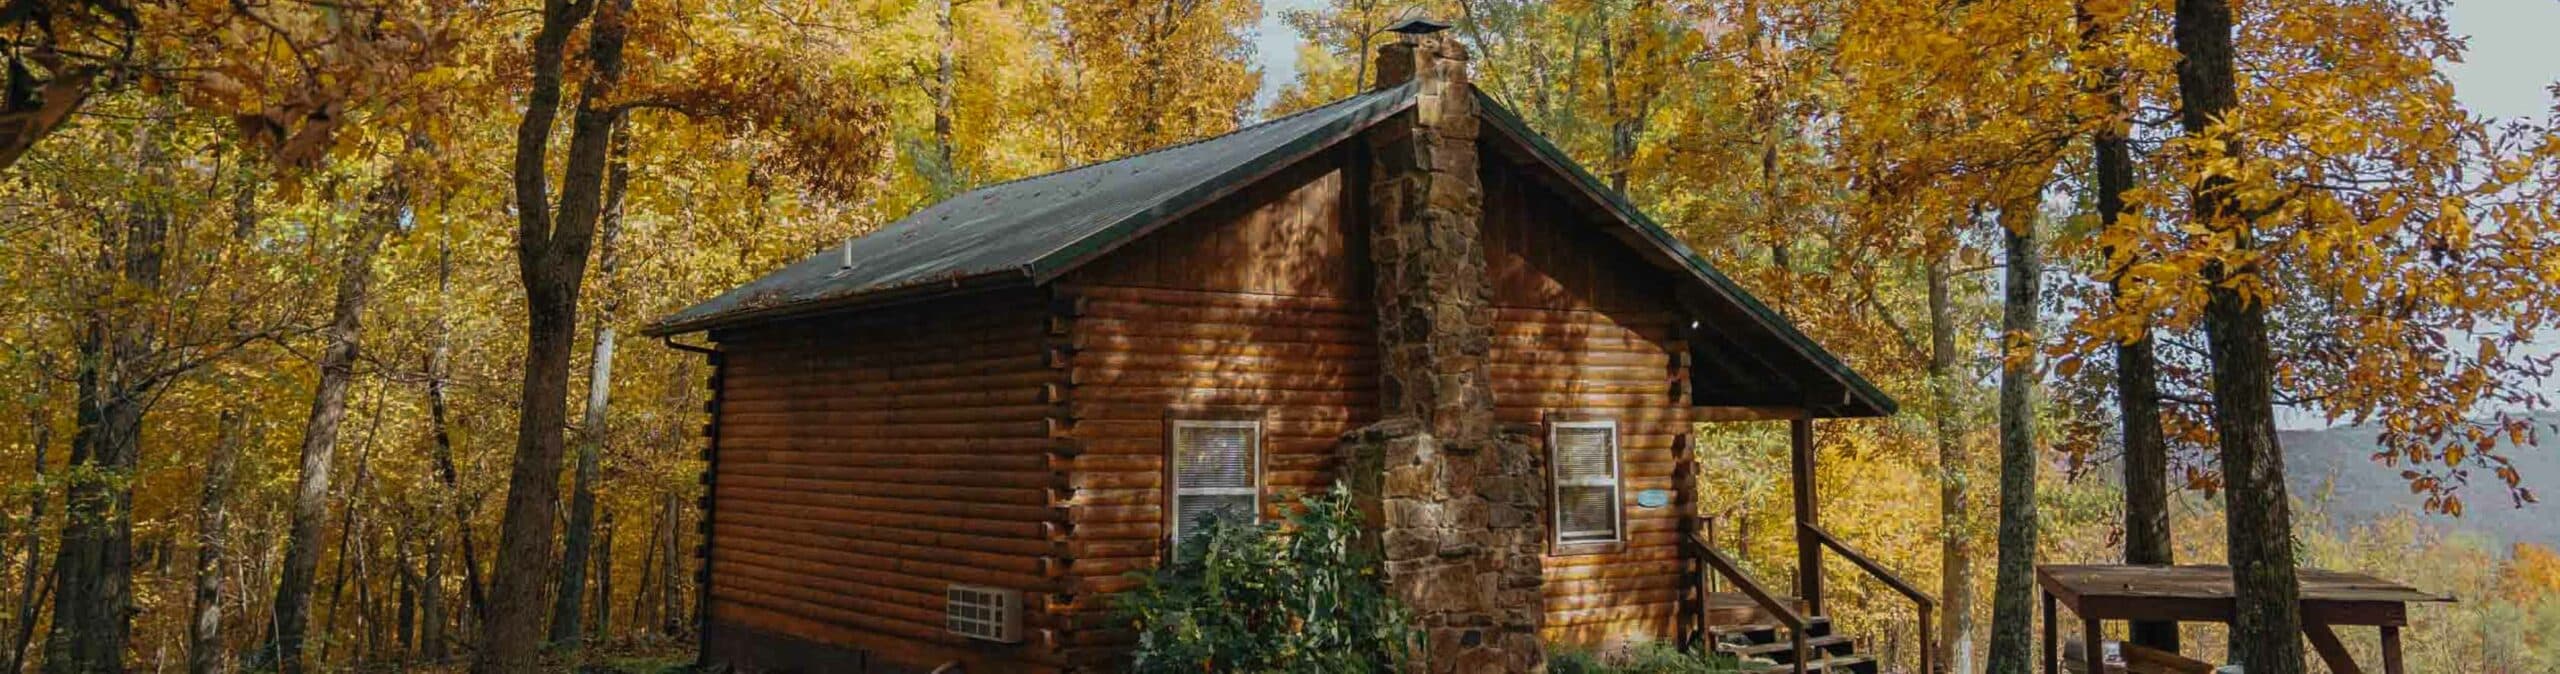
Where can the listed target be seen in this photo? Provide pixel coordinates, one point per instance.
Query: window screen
(1585, 465)
(1216, 473)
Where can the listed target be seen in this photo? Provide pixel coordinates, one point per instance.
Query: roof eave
(869, 299)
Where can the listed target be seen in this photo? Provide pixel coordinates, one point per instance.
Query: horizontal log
(920, 540)
(1633, 613)
(1096, 378)
(1241, 397)
(1194, 313)
(1097, 429)
(1210, 347)
(725, 501)
(986, 462)
(1280, 332)
(1657, 386)
(840, 384)
(1146, 547)
(1660, 419)
(1524, 314)
(1105, 584)
(1101, 293)
(893, 327)
(1522, 356)
(801, 425)
(1346, 415)
(1580, 602)
(951, 566)
(1112, 566)
(819, 579)
(982, 486)
(1083, 515)
(1106, 361)
(842, 351)
(877, 412)
(1667, 581)
(763, 489)
(1149, 530)
(1572, 372)
(814, 443)
(894, 595)
(1016, 396)
(1124, 442)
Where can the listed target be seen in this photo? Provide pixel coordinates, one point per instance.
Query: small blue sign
(1653, 498)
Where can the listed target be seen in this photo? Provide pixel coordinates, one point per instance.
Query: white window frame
(1173, 473)
(1615, 482)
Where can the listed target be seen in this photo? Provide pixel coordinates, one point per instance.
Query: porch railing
(1927, 606)
(1714, 559)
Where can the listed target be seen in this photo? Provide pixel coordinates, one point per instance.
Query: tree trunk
(551, 252)
(320, 430)
(2266, 620)
(603, 630)
(29, 580)
(93, 569)
(2013, 588)
(579, 539)
(943, 83)
(1955, 500)
(641, 596)
(406, 620)
(670, 567)
(351, 542)
(439, 423)
(431, 620)
(2146, 448)
(213, 524)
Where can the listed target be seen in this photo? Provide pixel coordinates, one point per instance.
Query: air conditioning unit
(984, 613)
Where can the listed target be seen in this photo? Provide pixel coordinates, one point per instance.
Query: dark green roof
(1030, 231)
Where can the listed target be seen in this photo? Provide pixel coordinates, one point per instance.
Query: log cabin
(945, 445)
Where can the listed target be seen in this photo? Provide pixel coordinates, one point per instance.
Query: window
(1217, 472)
(1584, 460)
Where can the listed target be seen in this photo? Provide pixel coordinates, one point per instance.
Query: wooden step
(1854, 664)
(1782, 648)
(1762, 633)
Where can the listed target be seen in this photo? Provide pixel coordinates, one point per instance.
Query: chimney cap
(1417, 26)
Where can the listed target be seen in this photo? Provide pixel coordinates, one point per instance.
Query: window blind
(1585, 468)
(1216, 473)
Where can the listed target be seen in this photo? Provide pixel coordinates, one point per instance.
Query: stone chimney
(1455, 502)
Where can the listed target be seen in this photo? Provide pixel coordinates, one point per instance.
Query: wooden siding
(1585, 328)
(1258, 305)
(867, 463)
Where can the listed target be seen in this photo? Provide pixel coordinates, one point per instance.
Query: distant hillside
(2364, 489)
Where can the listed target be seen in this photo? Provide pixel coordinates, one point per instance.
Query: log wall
(867, 463)
(1585, 328)
(1257, 306)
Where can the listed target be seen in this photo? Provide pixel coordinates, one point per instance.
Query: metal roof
(1030, 231)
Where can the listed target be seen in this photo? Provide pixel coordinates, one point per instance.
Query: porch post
(1808, 551)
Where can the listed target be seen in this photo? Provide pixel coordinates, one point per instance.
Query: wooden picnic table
(2102, 592)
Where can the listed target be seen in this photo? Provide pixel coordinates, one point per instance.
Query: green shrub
(1246, 597)
(1651, 657)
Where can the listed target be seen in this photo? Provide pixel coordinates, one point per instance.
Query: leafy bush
(1652, 657)
(1294, 597)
